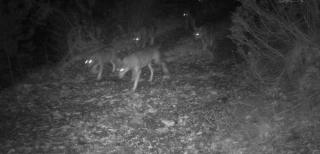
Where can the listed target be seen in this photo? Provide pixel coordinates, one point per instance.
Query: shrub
(277, 38)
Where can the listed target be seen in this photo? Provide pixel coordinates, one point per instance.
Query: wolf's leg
(94, 69)
(164, 68)
(151, 71)
(133, 75)
(113, 66)
(100, 73)
(203, 44)
(137, 79)
(157, 60)
(151, 40)
(211, 39)
(143, 42)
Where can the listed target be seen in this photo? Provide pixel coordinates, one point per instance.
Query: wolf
(98, 58)
(144, 34)
(205, 34)
(139, 59)
(190, 19)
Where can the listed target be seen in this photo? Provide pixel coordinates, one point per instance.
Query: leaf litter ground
(196, 110)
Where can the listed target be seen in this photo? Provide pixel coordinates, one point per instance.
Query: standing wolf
(205, 34)
(145, 33)
(100, 57)
(190, 19)
(139, 59)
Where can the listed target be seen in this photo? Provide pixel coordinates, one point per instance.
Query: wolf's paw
(166, 77)
(141, 80)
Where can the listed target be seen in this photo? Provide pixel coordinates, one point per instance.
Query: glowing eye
(121, 69)
(197, 34)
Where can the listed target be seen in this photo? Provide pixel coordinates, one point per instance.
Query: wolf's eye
(121, 69)
(88, 61)
(197, 34)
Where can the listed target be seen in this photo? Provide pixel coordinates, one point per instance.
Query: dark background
(34, 33)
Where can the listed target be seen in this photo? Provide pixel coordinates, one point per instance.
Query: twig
(302, 101)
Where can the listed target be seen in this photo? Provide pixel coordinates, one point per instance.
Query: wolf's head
(185, 13)
(123, 67)
(202, 31)
(137, 37)
(89, 62)
(198, 33)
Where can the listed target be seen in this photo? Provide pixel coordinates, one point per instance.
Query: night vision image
(159, 77)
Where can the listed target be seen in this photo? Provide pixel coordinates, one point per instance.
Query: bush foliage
(277, 38)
